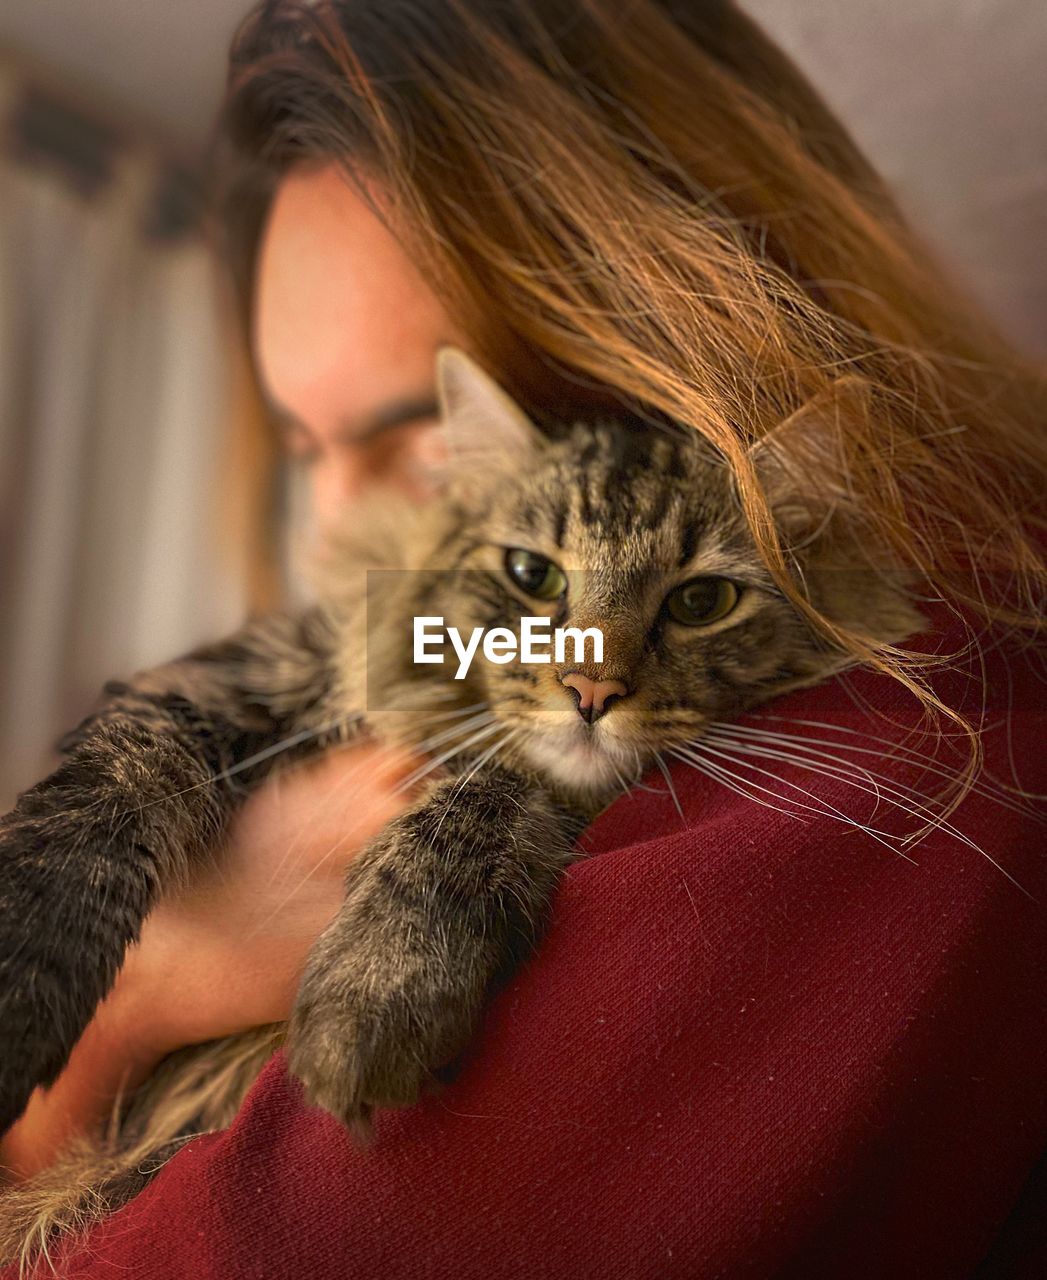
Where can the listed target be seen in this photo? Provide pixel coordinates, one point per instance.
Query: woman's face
(346, 334)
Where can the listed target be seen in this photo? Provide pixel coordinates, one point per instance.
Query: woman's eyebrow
(394, 413)
(286, 423)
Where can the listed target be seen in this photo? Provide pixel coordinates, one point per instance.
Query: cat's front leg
(145, 792)
(449, 898)
(83, 857)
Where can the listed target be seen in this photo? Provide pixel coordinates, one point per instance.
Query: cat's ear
(484, 427)
(802, 462)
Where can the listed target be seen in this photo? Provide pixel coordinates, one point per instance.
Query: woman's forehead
(344, 320)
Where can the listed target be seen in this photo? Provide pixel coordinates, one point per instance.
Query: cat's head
(638, 532)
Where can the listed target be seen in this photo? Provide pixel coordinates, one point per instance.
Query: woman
(637, 204)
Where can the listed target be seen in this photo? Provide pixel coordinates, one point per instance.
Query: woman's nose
(593, 698)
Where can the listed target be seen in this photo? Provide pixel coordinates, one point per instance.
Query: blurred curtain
(115, 414)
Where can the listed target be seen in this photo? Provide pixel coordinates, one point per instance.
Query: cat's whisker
(734, 782)
(821, 810)
(315, 866)
(903, 799)
(660, 762)
(348, 788)
(275, 749)
(990, 792)
(479, 736)
(429, 766)
(821, 806)
(477, 764)
(640, 764)
(342, 723)
(363, 782)
(744, 740)
(839, 728)
(845, 771)
(717, 771)
(445, 735)
(811, 749)
(725, 735)
(622, 781)
(639, 769)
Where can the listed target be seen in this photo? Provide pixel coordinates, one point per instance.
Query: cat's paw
(370, 1031)
(29, 1056)
(35, 1031)
(58, 957)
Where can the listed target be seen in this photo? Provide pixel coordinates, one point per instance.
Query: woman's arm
(225, 954)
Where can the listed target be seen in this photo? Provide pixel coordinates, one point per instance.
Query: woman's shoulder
(765, 1031)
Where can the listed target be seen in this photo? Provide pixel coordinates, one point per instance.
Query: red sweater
(753, 1044)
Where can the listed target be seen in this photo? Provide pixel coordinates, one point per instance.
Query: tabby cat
(613, 524)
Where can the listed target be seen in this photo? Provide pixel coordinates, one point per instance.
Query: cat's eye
(535, 574)
(701, 601)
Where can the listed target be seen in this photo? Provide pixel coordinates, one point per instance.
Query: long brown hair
(643, 200)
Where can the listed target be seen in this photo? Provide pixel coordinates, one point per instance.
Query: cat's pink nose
(593, 698)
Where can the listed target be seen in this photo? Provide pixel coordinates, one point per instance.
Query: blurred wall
(115, 410)
(949, 99)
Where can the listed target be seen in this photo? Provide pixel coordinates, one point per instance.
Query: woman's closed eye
(410, 456)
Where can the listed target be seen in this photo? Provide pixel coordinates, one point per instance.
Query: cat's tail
(196, 1090)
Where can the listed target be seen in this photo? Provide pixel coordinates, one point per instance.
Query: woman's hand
(227, 951)
(224, 953)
